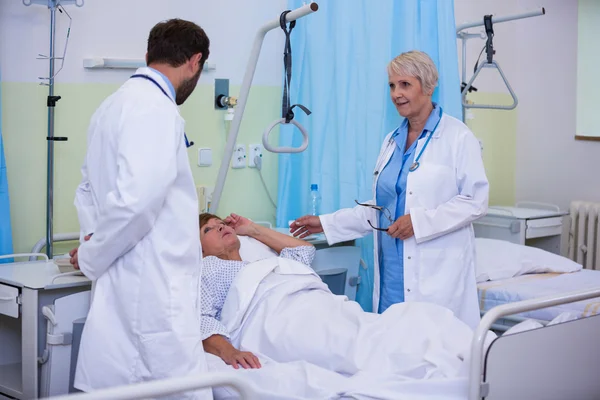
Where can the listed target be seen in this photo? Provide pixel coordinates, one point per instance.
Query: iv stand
(51, 101)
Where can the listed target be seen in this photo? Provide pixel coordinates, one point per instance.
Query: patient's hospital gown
(217, 276)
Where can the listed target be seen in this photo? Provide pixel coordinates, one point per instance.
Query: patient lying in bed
(221, 264)
(279, 308)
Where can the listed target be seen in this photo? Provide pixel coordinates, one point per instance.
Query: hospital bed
(540, 363)
(43, 310)
(508, 272)
(543, 351)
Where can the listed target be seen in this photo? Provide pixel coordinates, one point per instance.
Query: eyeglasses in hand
(386, 213)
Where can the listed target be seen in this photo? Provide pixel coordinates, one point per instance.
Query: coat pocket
(442, 275)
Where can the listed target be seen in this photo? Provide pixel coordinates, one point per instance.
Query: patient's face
(218, 239)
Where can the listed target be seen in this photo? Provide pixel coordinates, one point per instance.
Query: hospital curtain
(340, 54)
(5, 229)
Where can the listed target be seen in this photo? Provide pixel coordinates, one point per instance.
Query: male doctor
(136, 197)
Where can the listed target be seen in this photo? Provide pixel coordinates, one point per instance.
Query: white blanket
(302, 380)
(281, 311)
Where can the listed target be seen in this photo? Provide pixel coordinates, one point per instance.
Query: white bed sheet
(314, 345)
(525, 287)
(304, 381)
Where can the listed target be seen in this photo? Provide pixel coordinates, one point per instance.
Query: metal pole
(497, 20)
(464, 37)
(50, 166)
(244, 92)
(464, 72)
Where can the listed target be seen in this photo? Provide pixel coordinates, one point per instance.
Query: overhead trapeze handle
(272, 149)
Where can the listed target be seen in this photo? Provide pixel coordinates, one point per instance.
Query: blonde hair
(418, 64)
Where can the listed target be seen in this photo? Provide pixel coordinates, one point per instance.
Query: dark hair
(175, 41)
(205, 217)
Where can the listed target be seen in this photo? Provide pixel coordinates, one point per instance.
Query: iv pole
(51, 101)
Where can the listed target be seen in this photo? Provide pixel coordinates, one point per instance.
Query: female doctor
(429, 185)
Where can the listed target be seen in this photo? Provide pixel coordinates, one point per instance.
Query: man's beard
(186, 88)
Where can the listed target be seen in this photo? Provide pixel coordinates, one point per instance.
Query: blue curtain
(340, 55)
(6, 246)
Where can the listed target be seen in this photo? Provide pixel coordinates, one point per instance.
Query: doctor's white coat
(443, 197)
(138, 197)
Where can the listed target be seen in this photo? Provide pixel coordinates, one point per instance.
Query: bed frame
(505, 323)
(165, 387)
(553, 362)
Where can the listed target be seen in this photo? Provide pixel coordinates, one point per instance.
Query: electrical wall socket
(239, 156)
(255, 150)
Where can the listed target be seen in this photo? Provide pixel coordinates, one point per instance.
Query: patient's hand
(234, 357)
(74, 254)
(220, 347)
(243, 226)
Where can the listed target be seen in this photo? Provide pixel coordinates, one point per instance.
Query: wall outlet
(239, 156)
(255, 151)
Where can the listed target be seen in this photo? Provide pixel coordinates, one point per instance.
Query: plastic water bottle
(315, 200)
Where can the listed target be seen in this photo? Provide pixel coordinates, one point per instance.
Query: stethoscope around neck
(188, 144)
(416, 164)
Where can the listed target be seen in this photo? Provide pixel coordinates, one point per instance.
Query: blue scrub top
(391, 193)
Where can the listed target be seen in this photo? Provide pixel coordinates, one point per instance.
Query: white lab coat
(138, 197)
(444, 196)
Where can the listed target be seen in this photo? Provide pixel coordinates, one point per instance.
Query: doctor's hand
(305, 226)
(401, 229)
(74, 256)
(246, 359)
(243, 226)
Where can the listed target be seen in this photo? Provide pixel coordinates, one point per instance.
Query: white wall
(539, 57)
(120, 29)
(117, 28)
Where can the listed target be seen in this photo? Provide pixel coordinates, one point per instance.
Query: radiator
(584, 242)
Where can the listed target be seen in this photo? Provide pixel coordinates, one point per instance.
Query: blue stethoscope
(415, 165)
(188, 144)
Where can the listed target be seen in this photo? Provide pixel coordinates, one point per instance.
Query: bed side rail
(164, 387)
(477, 346)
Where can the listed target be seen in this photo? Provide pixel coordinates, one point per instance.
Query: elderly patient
(221, 263)
(279, 309)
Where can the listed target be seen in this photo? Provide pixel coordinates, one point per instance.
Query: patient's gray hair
(417, 64)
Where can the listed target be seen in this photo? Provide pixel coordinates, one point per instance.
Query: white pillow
(252, 250)
(499, 259)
